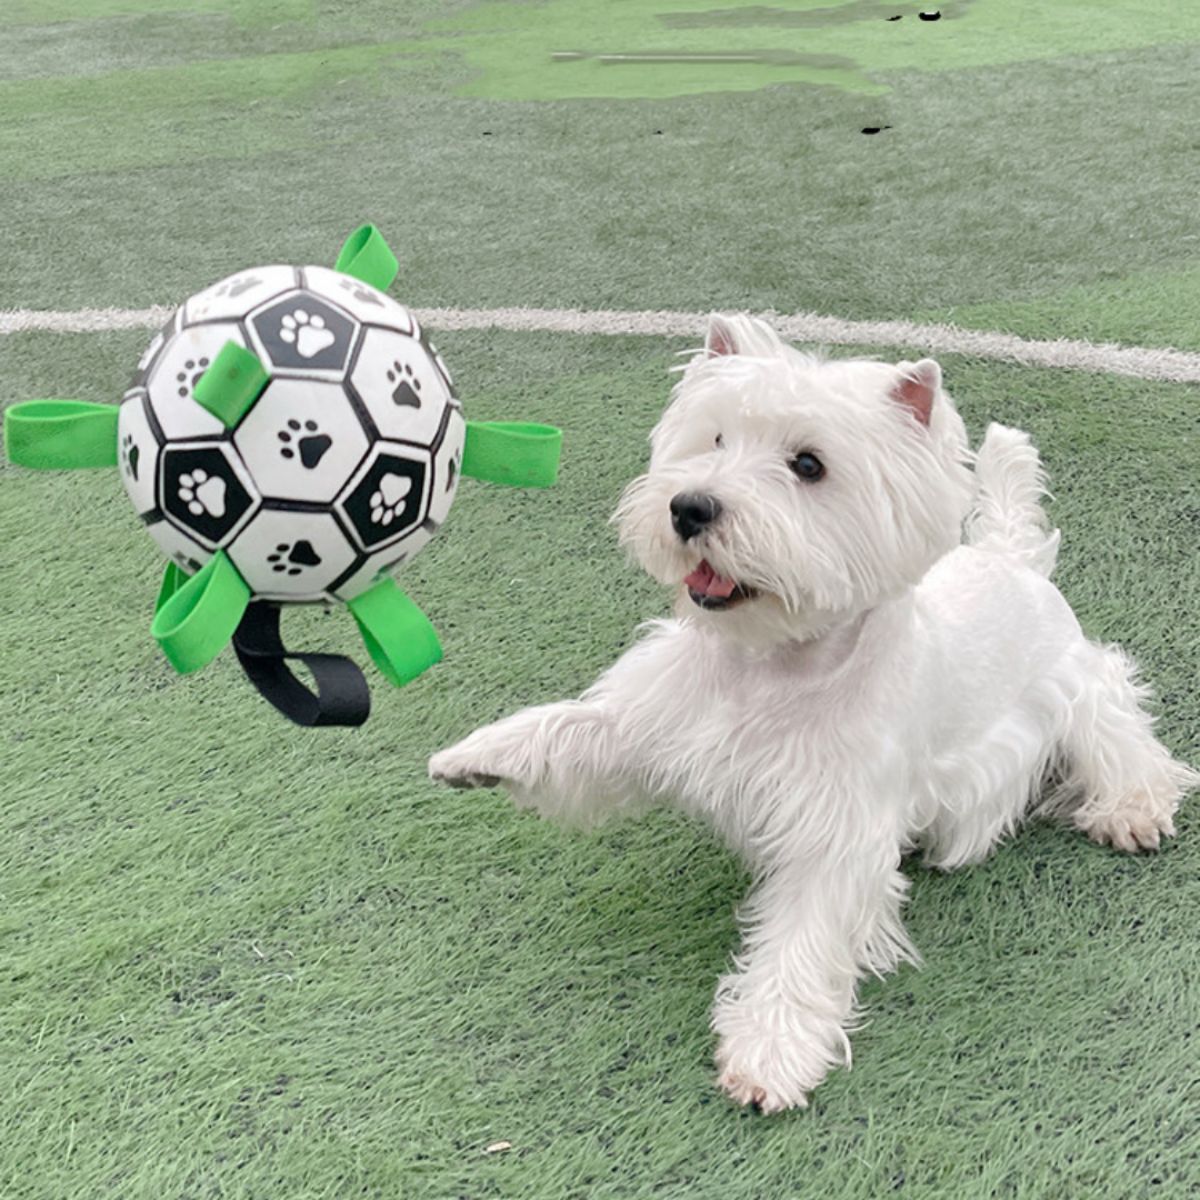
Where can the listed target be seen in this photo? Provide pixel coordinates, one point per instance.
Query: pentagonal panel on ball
(175, 373)
(447, 465)
(137, 451)
(402, 389)
(301, 440)
(389, 496)
(301, 333)
(361, 300)
(375, 566)
(231, 297)
(203, 489)
(286, 555)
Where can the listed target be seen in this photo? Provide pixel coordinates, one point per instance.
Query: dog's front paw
(459, 768)
(461, 779)
(493, 755)
(745, 1090)
(774, 1060)
(759, 1076)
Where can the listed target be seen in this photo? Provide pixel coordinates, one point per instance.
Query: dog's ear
(917, 387)
(721, 339)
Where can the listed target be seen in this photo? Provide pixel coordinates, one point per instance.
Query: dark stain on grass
(813, 18)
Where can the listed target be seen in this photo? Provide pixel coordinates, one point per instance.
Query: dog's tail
(1007, 517)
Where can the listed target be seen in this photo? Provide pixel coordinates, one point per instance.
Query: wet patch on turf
(778, 17)
(579, 49)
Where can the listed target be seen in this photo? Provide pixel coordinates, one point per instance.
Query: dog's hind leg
(979, 793)
(1120, 784)
(981, 806)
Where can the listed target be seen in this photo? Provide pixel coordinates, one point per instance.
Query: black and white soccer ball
(344, 467)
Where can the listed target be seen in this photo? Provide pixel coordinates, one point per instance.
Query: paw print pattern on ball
(302, 441)
(312, 445)
(387, 502)
(401, 386)
(292, 559)
(187, 379)
(236, 285)
(130, 455)
(307, 333)
(389, 497)
(405, 386)
(177, 369)
(447, 464)
(233, 287)
(359, 300)
(239, 285)
(235, 295)
(138, 452)
(364, 295)
(304, 333)
(203, 493)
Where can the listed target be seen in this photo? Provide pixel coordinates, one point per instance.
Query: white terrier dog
(844, 680)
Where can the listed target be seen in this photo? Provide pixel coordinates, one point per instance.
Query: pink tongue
(708, 583)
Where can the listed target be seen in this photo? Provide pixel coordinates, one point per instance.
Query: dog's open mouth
(713, 591)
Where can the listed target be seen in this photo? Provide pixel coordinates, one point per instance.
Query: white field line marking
(1139, 362)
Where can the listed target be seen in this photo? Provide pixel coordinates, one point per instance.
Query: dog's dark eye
(719, 442)
(808, 467)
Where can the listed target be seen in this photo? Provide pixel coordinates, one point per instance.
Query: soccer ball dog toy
(290, 436)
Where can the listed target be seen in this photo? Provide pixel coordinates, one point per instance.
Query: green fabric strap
(231, 385)
(512, 453)
(366, 256)
(61, 434)
(396, 633)
(196, 617)
(173, 579)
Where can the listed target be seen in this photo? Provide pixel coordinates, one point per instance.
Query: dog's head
(786, 492)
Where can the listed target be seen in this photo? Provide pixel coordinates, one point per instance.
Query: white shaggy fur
(885, 686)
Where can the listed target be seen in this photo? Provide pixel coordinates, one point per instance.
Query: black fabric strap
(341, 697)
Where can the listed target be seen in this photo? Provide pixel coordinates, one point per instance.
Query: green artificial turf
(244, 959)
(1037, 183)
(241, 959)
(1145, 308)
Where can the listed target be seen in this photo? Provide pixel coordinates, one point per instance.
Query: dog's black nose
(692, 512)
